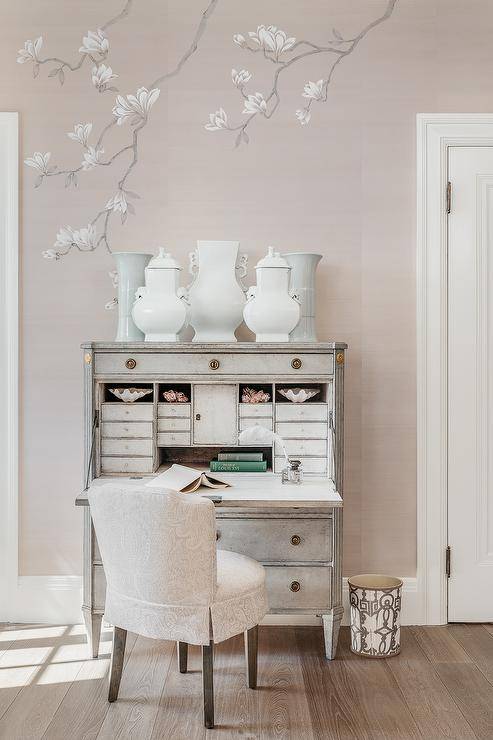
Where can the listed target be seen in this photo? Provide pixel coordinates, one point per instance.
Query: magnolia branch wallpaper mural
(277, 48)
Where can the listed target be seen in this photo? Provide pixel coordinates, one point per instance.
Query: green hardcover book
(241, 466)
(243, 456)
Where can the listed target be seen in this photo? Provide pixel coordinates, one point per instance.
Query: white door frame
(9, 362)
(435, 134)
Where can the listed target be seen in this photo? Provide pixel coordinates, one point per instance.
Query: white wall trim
(435, 134)
(9, 362)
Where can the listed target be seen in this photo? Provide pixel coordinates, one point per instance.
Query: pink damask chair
(166, 580)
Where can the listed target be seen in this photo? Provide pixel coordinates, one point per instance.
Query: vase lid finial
(163, 261)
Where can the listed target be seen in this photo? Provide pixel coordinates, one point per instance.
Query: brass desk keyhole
(214, 364)
(296, 363)
(295, 586)
(130, 363)
(295, 539)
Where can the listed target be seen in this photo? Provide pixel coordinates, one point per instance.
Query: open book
(186, 480)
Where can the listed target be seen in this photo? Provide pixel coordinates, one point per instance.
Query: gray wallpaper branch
(273, 44)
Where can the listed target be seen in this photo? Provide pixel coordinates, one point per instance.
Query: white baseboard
(58, 599)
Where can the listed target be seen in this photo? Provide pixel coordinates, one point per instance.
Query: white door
(470, 384)
(215, 419)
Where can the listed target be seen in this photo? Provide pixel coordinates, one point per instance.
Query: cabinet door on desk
(214, 419)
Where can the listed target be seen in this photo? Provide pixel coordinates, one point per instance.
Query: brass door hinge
(447, 561)
(449, 197)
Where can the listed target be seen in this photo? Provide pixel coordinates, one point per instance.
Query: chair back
(157, 547)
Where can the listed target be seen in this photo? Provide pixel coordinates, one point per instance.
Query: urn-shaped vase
(302, 283)
(272, 311)
(216, 296)
(161, 307)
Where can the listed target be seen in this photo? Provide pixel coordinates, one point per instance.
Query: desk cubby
(300, 549)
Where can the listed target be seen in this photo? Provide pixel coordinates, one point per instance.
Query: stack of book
(239, 462)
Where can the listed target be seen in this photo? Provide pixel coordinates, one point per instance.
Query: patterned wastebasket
(375, 603)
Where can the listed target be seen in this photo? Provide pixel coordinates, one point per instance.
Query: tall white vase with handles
(302, 283)
(130, 267)
(216, 296)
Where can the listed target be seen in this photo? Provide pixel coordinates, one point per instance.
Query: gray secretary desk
(294, 531)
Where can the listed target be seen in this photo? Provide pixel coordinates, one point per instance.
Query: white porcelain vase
(272, 311)
(130, 268)
(216, 294)
(161, 307)
(303, 269)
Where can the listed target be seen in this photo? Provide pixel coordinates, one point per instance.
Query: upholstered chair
(166, 580)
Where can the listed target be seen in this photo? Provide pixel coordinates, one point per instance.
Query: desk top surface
(256, 490)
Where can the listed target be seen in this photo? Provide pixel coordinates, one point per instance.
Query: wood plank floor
(440, 686)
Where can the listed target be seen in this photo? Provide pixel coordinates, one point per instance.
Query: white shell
(129, 395)
(298, 395)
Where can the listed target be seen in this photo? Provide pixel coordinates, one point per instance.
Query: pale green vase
(130, 267)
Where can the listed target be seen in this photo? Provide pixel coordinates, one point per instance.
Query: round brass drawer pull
(295, 586)
(295, 539)
(296, 363)
(131, 364)
(214, 364)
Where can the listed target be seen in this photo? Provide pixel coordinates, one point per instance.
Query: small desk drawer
(255, 409)
(126, 464)
(141, 447)
(277, 540)
(300, 447)
(301, 412)
(127, 411)
(214, 363)
(173, 409)
(298, 587)
(260, 422)
(173, 439)
(173, 425)
(302, 430)
(316, 465)
(131, 429)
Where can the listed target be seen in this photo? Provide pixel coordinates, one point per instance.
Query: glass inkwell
(293, 472)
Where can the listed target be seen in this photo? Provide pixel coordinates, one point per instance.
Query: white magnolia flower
(83, 238)
(92, 157)
(39, 161)
(95, 43)
(303, 115)
(113, 276)
(30, 51)
(117, 203)
(101, 76)
(80, 133)
(51, 254)
(110, 305)
(239, 39)
(255, 104)
(313, 90)
(272, 39)
(135, 105)
(217, 120)
(240, 78)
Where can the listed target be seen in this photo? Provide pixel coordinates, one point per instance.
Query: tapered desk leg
(182, 656)
(93, 628)
(117, 657)
(208, 684)
(251, 653)
(331, 624)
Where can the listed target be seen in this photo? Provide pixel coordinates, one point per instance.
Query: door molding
(435, 134)
(9, 362)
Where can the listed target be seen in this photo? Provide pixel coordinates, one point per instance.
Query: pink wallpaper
(325, 161)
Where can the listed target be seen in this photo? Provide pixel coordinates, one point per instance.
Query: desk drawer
(141, 447)
(316, 465)
(131, 429)
(214, 363)
(127, 411)
(173, 425)
(173, 439)
(126, 464)
(300, 447)
(301, 412)
(278, 540)
(302, 430)
(313, 584)
(173, 410)
(260, 422)
(255, 409)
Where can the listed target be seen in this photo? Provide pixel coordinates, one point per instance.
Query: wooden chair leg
(251, 653)
(117, 656)
(182, 656)
(208, 683)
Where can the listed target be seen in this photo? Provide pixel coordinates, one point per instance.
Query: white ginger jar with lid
(272, 311)
(161, 307)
